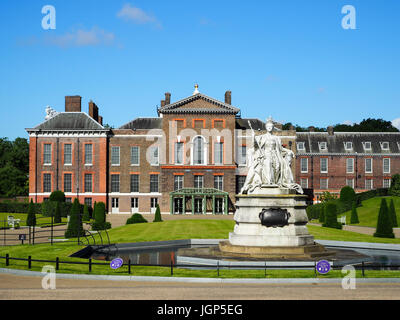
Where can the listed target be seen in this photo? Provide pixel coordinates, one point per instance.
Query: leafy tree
(322, 214)
(31, 218)
(157, 217)
(354, 214)
(327, 196)
(393, 216)
(347, 194)
(384, 227)
(75, 227)
(395, 186)
(367, 125)
(57, 214)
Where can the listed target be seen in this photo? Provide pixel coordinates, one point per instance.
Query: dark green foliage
(86, 214)
(100, 222)
(58, 196)
(57, 214)
(393, 216)
(75, 223)
(384, 227)
(14, 167)
(136, 218)
(322, 214)
(354, 214)
(31, 219)
(48, 208)
(331, 216)
(395, 186)
(157, 217)
(314, 211)
(347, 194)
(367, 125)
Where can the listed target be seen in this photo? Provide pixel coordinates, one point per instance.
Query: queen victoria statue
(269, 163)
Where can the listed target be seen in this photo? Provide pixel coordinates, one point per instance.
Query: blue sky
(290, 59)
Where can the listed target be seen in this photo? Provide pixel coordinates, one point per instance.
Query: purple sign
(116, 263)
(323, 266)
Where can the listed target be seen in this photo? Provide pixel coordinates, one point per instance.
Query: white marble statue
(269, 163)
(50, 113)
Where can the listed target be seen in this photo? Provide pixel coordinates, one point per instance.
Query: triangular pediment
(199, 103)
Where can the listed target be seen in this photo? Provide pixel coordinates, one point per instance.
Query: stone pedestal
(250, 232)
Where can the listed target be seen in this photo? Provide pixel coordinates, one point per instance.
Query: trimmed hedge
(354, 215)
(331, 216)
(157, 217)
(347, 194)
(100, 222)
(136, 218)
(384, 227)
(75, 227)
(58, 196)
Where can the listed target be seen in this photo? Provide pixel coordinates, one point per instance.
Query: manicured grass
(175, 230)
(368, 213)
(40, 220)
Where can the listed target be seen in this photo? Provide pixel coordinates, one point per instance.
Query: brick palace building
(190, 159)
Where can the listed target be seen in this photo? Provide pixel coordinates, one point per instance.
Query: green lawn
(368, 213)
(40, 220)
(174, 230)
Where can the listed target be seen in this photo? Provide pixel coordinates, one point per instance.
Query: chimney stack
(73, 103)
(228, 97)
(330, 131)
(311, 129)
(167, 98)
(100, 120)
(162, 103)
(94, 111)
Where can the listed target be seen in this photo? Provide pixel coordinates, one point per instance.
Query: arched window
(198, 150)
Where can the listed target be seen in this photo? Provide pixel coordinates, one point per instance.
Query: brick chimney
(73, 103)
(162, 103)
(167, 98)
(228, 97)
(330, 131)
(100, 120)
(94, 111)
(311, 129)
(278, 125)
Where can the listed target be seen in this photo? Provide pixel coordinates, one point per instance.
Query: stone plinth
(249, 232)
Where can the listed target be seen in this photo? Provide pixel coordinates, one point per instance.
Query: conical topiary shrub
(75, 227)
(100, 222)
(86, 215)
(31, 218)
(57, 213)
(331, 216)
(393, 216)
(354, 214)
(157, 217)
(384, 227)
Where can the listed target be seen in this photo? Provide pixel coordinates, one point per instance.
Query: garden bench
(12, 221)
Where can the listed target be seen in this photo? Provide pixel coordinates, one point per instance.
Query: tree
(393, 216)
(58, 196)
(75, 227)
(322, 214)
(57, 214)
(100, 222)
(354, 214)
(384, 227)
(327, 196)
(31, 218)
(394, 189)
(157, 217)
(347, 195)
(86, 214)
(331, 216)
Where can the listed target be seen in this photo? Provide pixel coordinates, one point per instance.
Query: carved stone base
(310, 251)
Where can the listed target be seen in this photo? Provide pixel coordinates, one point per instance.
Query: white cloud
(348, 122)
(137, 15)
(396, 123)
(81, 38)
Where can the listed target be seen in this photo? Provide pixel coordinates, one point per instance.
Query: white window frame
(350, 184)
(156, 159)
(115, 205)
(219, 180)
(303, 144)
(304, 183)
(47, 190)
(327, 165)
(138, 156)
(119, 156)
(388, 146)
(138, 183)
(88, 163)
(69, 181)
(204, 154)
(158, 183)
(372, 167)
(69, 154)
(179, 181)
(323, 146)
(383, 165)
(201, 179)
(88, 183)
(346, 146)
(179, 153)
(322, 187)
(220, 155)
(365, 145)
(119, 183)
(46, 157)
(371, 187)
(301, 165)
(134, 205)
(242, 161)
(389, 183)
(352, 165)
